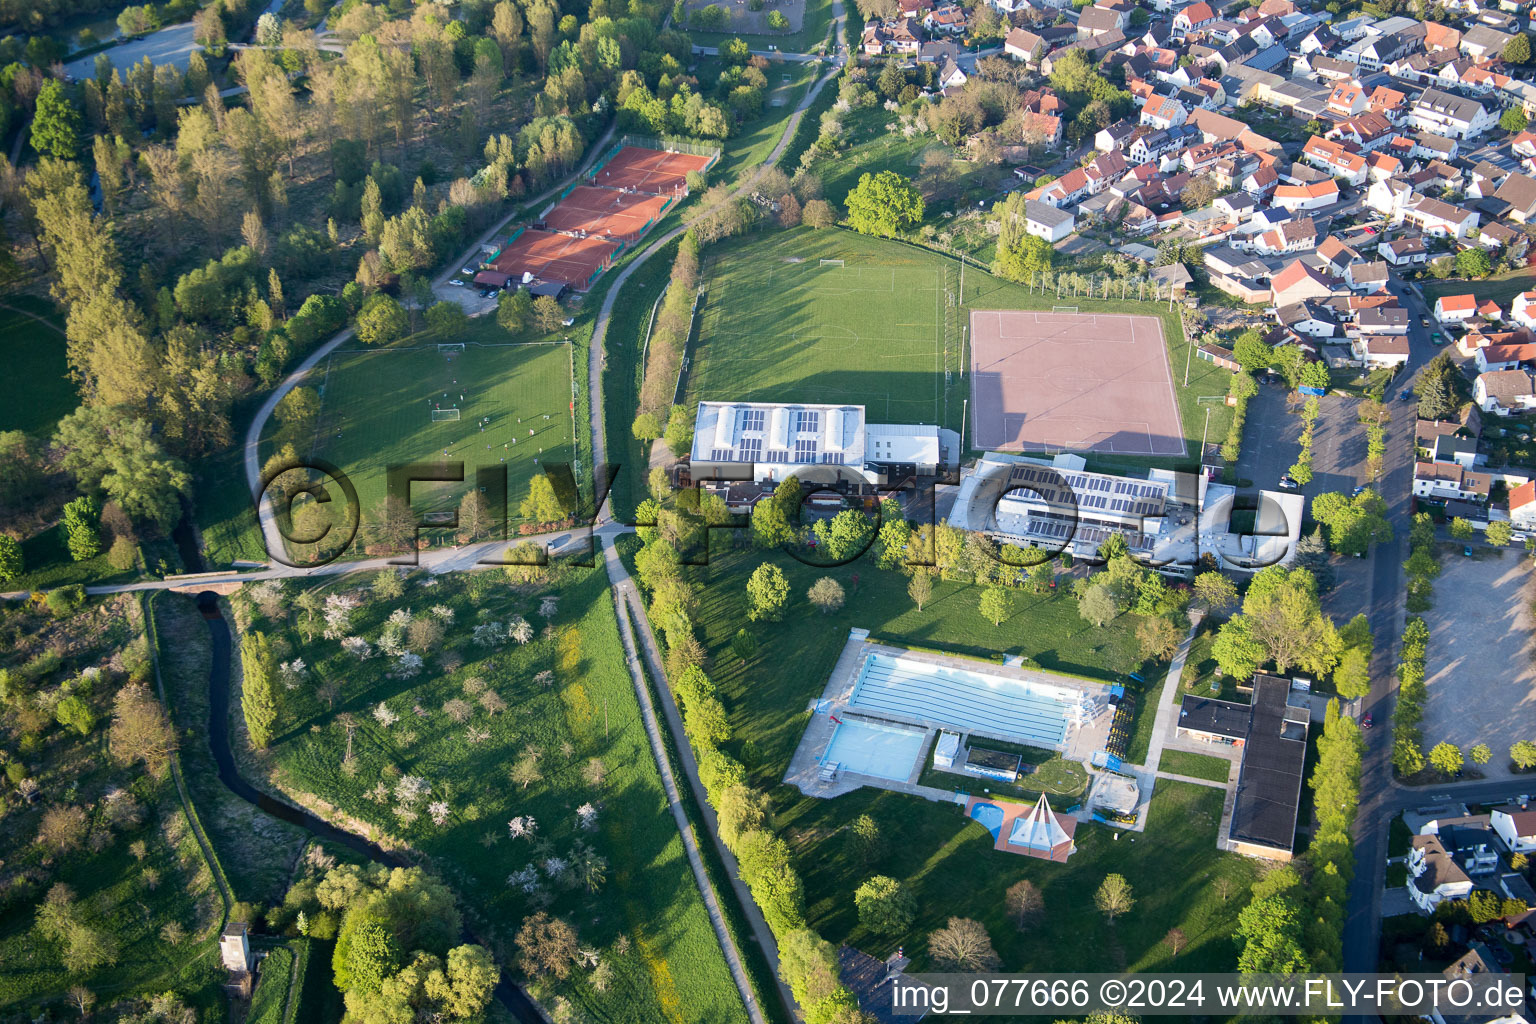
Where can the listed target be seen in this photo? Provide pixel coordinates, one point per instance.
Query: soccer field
(779, 324)
(513, 403)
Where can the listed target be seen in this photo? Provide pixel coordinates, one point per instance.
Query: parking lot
(1481, 681)
(1271, 442)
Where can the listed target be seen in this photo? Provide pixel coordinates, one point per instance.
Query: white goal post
(440, 415)
(1063, 309)
(450, 346)
(831, 263)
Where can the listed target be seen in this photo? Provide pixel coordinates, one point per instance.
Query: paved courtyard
(1481, 680)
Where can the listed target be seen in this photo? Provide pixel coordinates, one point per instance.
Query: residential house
(1522, 516)
(1047, 222)
(1298, 235)
(1503, 392)
(1297, 281)
(1308, 317)
(1163, 112)
(1093, 20)
(1195, 16)
(1347, 99)
(1335, 159)
(1244, 278)
(1364, 132)
(1515, 824)
(950, 76)
(948, 21)
(1441, 37)
(1336, 255)
(1403, 252)
(1491, 358)
(1481, 42)
(1216, 127)
(1522, 310)
(1434, 874)
(1114, 138)
(1381, 166)
(1437, 217)
(1367, 277)
(1453, 309)
(1022, 44)
(1379, 350)
(1519, 191)
(1446, 114)
(1307, 197)
(1448, 481)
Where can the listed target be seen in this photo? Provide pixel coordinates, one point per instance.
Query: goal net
(440, 415)
(831, 263)
(451, 346)
(1063, 309)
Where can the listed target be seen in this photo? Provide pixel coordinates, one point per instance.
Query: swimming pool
(990, 816)
(874, 748)
(1025, 710)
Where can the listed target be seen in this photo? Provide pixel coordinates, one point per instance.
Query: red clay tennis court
(566, 258)
(649, 170)
(1072, 381)
(607, 212)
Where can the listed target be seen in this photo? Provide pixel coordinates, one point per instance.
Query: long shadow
(510, 995)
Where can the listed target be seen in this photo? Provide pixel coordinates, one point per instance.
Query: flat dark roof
(995, 759)
(1269, 784)
(1220, 717)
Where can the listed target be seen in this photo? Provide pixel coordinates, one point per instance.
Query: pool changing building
(770, 441)
(1272, 733)
(1167, 519)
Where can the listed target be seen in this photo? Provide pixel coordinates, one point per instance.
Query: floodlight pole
(964, 408)
(1188, 358)
(1204, 434)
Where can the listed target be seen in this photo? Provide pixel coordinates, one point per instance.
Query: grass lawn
(226, 515)
(1501, 288)
(271, 987)
(814, 22)
(377, 404)
(40, 392)
(1178, 876)
(584, 710)
(777, 326)
(128, 898)
(1196, 766)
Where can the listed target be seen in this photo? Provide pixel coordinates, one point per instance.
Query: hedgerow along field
(157, 905)
(584, 709)
(377, 408)
(777, 325)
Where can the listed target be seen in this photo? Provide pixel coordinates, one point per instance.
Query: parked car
(1437, 338)
(1424, 320)
(456, 282)
(470, 271)
(1287, 484)
(1466, 549)
(1406, 396)
(1365, 723)
(1356, 492)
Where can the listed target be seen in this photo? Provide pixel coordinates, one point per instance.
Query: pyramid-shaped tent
(1041, 834)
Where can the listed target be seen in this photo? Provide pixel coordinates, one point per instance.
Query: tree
(1175, 940)
(1446, 758)
(82, 528)
(12, 563)
(1023, 902)
(1352, 676)
(1097, 604)
(825, 595)
(1217, 592)
(883, 204)
(1513, 120)
(1282, 612)
(1354, 523)
(885, 908)
(447, 320)
(514, 310)
(1237, 651)
(1114, 897)
(1517, 51)
(963, 945)
(542, 504)
(381, 321)
(996, 605)
(258, 688)
(1474, 262)
(62, 829)
(475, 519)
(1480, 753)
(1523, 754)
(110, 451)
(1159, 637)
(679, 432)
(864, 843)
(55, 122)
(920, 588)
(818, 214)
(548, 945)
(141, 733)
(298, 412)
(1498, 533)
(547, 313)
(1462, 529)
(769, 591)
(74, 713)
